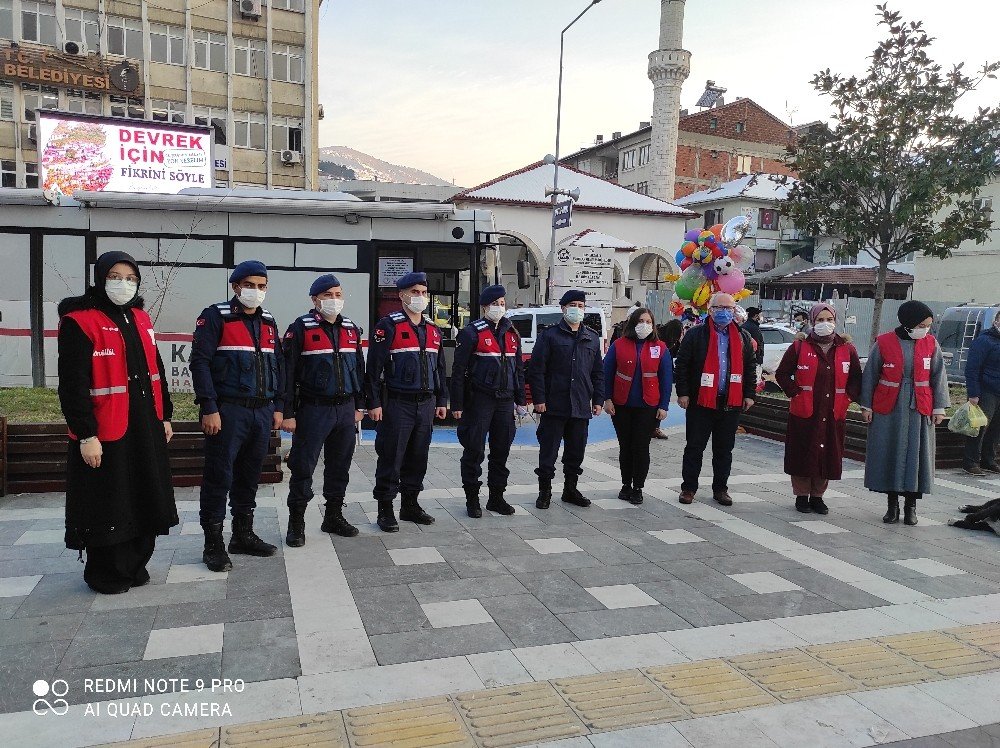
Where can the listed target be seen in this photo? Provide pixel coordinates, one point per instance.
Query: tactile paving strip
(709, 687)
(613, 700)
(315, 731)
(208, 738)
(410, 724)
(985, 636)
(531, 713)
(871, 664)
(941, 653)
(792, 674)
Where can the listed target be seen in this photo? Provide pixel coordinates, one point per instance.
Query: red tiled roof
(842, 275)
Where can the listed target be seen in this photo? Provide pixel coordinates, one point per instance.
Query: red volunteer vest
(708, 390)
(317, 345)
(887, 390)
(648, 365)
(487, 343)
(236, 336)
(803, 404)
(109, 369)
(405, 339)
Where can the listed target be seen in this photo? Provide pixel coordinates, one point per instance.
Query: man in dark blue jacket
(566, 377)
(325, 370)
(487, 380)
(982, 379)
(239, 381)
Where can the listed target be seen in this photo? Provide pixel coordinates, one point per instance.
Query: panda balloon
(724, 265)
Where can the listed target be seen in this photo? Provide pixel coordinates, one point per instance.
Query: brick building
(713, 146)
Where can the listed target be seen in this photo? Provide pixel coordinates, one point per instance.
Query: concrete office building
(246, 67)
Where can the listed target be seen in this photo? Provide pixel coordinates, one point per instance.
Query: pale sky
(466, 89)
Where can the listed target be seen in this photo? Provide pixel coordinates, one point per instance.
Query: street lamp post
(556, 192)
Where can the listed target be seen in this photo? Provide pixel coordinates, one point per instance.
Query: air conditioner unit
(33, 133)
(251, 9)
(288, 158)
(75, 48)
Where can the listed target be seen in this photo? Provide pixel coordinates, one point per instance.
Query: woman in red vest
(904, 394)
(821, 374)
(114, 397)
(638, 375)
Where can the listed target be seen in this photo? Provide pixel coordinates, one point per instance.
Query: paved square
(929, 567)
(411, 556)
(554, 545)
(18, 586)
(616, 596)
(674, 537)
(764, 582)
(455, 613)
(183, 641)
(180, 573)
(819, 527)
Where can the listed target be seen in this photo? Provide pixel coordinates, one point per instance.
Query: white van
(529, 321)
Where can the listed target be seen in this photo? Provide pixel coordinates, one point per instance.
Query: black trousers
(486, 415)
(402, 443)
(982, 449)
(552, 430)
(321, 428)
(110, 566)
(704, 424)
(234, 459)
(634, 427)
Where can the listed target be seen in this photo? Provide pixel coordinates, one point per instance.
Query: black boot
(909, 510)
(386, 520)
(497, 503)
(818, 506)
(892, 515)
(571, 494)
(296, 535)
(544, 493)
(411, 511)
(636, 497)
(626, 493)
(333, 519)
(215, 556)
(472, 507)
(802, 504)
(244, 539)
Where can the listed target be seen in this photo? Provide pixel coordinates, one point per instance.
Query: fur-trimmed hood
(92, 298)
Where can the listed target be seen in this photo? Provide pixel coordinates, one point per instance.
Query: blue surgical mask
(573, 315)
(722, 317)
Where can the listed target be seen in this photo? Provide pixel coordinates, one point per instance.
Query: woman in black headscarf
(904, 395)
(113, 394)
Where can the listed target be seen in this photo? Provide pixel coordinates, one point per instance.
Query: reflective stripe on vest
(648, 366)
(887, 391)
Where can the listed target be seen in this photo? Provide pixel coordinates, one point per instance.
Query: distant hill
(364, 166)
(337, 171)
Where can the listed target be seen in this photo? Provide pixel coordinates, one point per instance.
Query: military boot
(571, 494)
(215, 556)
(411, 511)
(386, 520)
(497, 503)
(333, 519)
(544, 493)
(296, 535)
(245, 540)
(472, 507)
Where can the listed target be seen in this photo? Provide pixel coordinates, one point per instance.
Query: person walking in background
(113, 394)
(982, 379)
(821, 375)
(752, 326)
(638, 372)
(904, 395)
(716, 364)
(567, 387)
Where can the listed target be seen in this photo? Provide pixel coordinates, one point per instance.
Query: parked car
(777, 338)
(958, 327)
(529, 321)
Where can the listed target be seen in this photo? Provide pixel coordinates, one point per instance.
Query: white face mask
(251, 298)
(417, 304)
(822, 329)
(643, 330)
(494, 312)
(120, 292)
(918, 332)
(573, 315)
(331, 307)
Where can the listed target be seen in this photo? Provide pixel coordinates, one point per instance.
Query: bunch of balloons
(711, 260)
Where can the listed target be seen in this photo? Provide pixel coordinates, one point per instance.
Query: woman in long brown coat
(821, 374)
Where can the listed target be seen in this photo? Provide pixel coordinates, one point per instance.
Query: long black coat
(566, 371)
(130, 495)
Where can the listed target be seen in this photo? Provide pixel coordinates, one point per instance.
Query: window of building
(38, 97)
(628, 160)
(713, 123)
(250, 57)
(216, 118)
(30, 174)
(983, 205)
(8, 172)
(249, 130)
(129, 108)
(210, 51)
(83, 26)
(743, 164)
(6, 19)
(287, 63)
(741, 127)
(713, 216)
(297, 5)
(38, 22)
(6, 99)
(642, 188)
(166, 43)
(286, 134)
(125, 37)
(768, 219)
(643, 155)
(167, 111)
(84, 102)
(583, 164)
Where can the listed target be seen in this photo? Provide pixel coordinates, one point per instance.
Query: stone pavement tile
(609, 551)
(743, 563)
(568, 526)
(617, 596)
(704, 578)
(832, 589)
(709, 687)
(389, 609)
(526, 621)
(57, 594)
(260, 650)
(656, 551)
(947, 587)
(500, 543)
(461, 589)
(40, 628)
(620, 702)
(16, 552)
(425, 722)
(595, 624)
(969, 610)
(518, 715)
(819, 527)
(204, 666)
(557, 592)
(823, 628)
(396, 575)
(455, 613)
(764, 582)
(33, 565)
(21, 665)
(183, 573)
(690, 604)
(832, 721)
(12, 529)
(673, 537)
(500, 668)
(554, 545)
(553, 661)
(415, 555)
(38, 537)
(472, 561)
(627, 652)
(718, 730)
(548, 562)
(330, 651)
(325, 730)
(732, 543)
(362, 553)
(222, 611)
(871, 664)
(416, 540)
(117, 646)
(793, 675)
(429, 644)
(602, 576)
(254, 576)
(941, 654)
(912, 711)
(9, 606)
(986, 637)
(161, 594)
(778, 605)
(184, 641)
